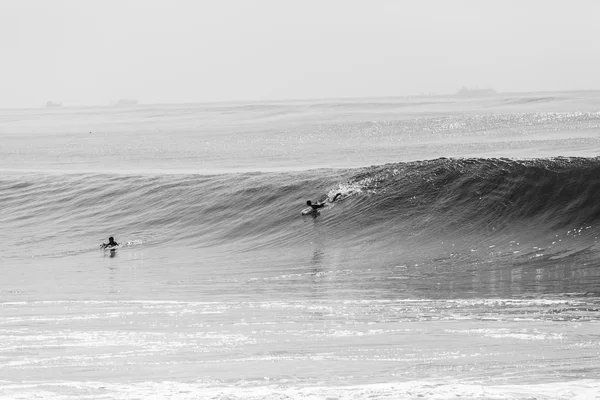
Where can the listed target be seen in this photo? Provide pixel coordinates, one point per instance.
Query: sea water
(461, 261)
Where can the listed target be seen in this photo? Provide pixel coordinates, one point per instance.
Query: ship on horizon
(51, 104)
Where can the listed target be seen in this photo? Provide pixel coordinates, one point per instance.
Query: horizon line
(297, 99)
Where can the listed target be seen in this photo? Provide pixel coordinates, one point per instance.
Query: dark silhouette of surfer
(111, 243)
(315, 207)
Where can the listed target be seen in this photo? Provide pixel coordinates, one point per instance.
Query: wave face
(474, 195)
(387, 208)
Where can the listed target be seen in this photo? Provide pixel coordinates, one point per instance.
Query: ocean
(460, 261)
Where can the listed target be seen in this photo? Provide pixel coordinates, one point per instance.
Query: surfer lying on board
(111, 243)
(321, 205)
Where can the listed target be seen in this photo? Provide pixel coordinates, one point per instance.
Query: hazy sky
(94, 52)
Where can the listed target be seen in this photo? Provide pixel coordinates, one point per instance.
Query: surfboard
(310, 211)
(110, 247)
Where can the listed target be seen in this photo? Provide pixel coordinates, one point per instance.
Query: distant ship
(51, 104)
(127, 102)
(466, 92)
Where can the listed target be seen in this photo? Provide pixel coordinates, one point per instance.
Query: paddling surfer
(315, 207)
(111, 243)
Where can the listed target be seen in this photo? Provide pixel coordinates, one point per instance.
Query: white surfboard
(309, 211)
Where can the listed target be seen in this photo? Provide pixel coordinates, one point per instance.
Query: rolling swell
(416, 201)
(43, 213)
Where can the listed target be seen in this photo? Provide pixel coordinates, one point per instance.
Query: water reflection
(360, 271)
(112, 253)
(317, 258)
(497, 279)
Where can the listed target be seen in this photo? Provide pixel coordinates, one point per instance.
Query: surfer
(111, 243)
(315, 207)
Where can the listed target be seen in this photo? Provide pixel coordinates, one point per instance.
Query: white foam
(586, 389)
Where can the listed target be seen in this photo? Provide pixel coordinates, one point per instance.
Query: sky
(165, 51)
